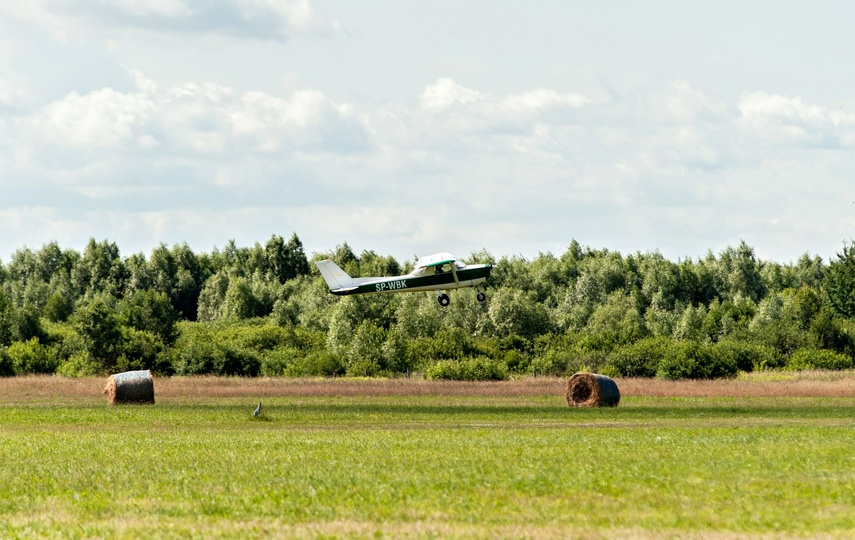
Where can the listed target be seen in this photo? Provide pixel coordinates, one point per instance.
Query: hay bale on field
(130, 387)
(592, 390)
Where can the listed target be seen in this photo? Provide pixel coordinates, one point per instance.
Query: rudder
(335, 277)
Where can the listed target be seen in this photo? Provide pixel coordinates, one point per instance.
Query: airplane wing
(437, 259)
(440, 263)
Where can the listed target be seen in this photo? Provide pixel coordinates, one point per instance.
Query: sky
(407, 127)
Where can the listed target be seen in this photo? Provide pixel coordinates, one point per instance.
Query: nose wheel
(443, 299)
(481, 296)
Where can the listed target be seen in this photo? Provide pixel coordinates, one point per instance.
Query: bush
(640, 359)
(6, 368)
(818, 359)
(479, 368)
(516, 361)
(257, 337)
(446, 344)
(237, 361)
(316, 364)
(275, 362)
(142, 349)
(194, 356)
(78, 365)
(66, 340)
(365, 367)
(692, 360)
(747, 356)
(32, 357)
(552, 362)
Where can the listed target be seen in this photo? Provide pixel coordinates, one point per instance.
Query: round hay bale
(130, 387)
(592, 390)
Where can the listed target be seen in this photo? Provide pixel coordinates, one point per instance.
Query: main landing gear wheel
(481, 296)
(443, 299)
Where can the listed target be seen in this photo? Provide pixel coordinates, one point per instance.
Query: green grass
(428, 466)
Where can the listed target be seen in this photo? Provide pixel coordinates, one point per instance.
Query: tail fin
(335, 277)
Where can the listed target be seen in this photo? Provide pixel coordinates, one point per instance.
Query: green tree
(839, 282)
(7, 317)
(286, 260)
(616, 322)
(100, 270)
(150, 311)
(177, 273)
(740, 273)
(365, 356)
(239, 302)
(515, 312)
(690, 325)
(59, 307)
(579, 302)
(189, 279)
(98, 324)
(213, 296)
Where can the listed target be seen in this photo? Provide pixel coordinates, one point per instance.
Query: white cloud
(203, 118)
(204, 163)
(101, 119)
(680, 103)
(12, 92)
(790, 120)
(170, 9)
(444, 93)
(306, 118)
(542, 99)
(253, 19)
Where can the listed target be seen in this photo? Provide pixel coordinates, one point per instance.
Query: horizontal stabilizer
(344, 289)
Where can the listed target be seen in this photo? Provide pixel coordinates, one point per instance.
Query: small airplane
(438, 272)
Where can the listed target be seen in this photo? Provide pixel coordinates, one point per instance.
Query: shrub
(32, 357)
(78, 365)
(563, 354)
(551, 362)
(316, 364)
(6, 368)
(277, 361)
(446, 344)
(365, 367)
(66, 340)
(818, 359)
(747, 356)
(256, 337)
(142, 349)
(640, 359)
(236, 361)
(692, 360)
(516, 361)
(479, 368)
(194, 356)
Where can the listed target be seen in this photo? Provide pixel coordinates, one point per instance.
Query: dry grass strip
(807, 384)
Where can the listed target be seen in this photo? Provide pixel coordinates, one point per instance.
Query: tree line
(265, 310)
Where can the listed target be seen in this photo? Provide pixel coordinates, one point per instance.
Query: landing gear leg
(443, 299)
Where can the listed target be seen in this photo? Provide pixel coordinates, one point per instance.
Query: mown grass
(435, 465)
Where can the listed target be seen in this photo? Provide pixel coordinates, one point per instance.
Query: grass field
(765, 456)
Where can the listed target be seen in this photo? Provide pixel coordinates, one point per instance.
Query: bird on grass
(257, 410)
